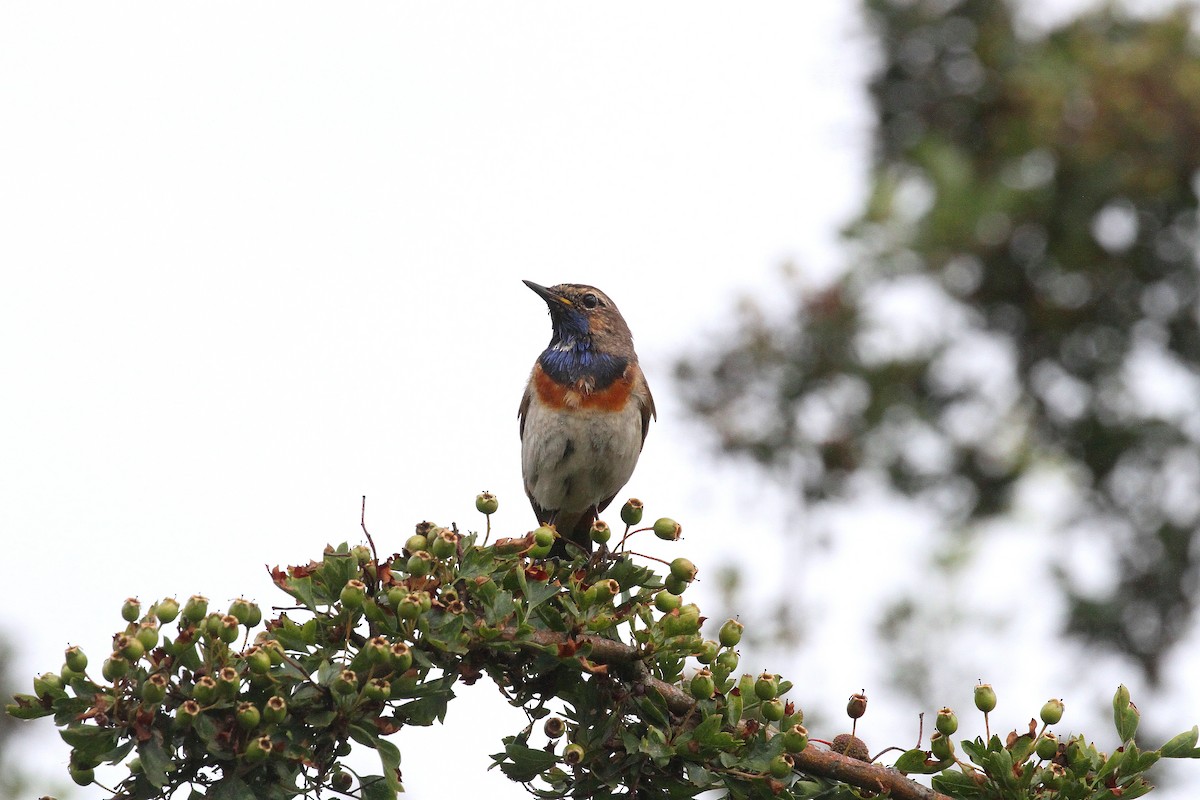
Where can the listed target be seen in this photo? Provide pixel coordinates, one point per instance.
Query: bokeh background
(914, 283)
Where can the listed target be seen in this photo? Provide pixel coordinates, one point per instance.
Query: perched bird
(585, 412)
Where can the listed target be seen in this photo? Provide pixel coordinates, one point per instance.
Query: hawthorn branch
(811, 760)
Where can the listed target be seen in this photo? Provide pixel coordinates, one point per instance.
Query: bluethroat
(585, 413)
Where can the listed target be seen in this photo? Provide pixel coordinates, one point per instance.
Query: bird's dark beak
(553, 299)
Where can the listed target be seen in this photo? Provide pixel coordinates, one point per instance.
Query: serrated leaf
(706, 730)
(526, 763)
(27, 707)
(499, 609)
(538, 592)
(1021, 748)
(302, 590)
(958, 785)
(155, 762)
(424, 711)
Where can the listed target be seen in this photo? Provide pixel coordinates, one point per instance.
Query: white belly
(572, 461)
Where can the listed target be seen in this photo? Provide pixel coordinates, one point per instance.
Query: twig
(812, 760)
(363, 522)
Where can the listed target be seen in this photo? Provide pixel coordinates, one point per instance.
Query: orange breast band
(556, 395)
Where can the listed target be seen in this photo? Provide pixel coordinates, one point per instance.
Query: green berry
(187, 712)
(228, 632)
(377, 650)
(353, 594)
(544, 536)
(147, 634)
(204, 690)
(941, 746)
(727, 661)
(730, 633)
(84, 776)
(275, 710)
(667, 528)
(766, 687)
(258, 749)
(702, 685)
(131, 609)
(341, 781)
(600, 532)
(772, 710)
(166, 609)
(947, 722)
(378, 689)
(631, 512)
(444, 545)
(154, 690)
(129, 647)
(486, 503)
(248, 613)
(985, 697)
(418, 563)
(46, 683)
(1052, 712)
(1047, 746)
(683, 569)
(77, 660)
(196, 608)
(248, 716)
(258, 661)
(666, 602)
(674, 585)
(781, 765)
(415, 543)
(708, 651)
(795, 738)
(228, 682)
(346, 682)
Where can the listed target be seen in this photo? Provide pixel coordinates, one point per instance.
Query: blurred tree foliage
(1021, 303)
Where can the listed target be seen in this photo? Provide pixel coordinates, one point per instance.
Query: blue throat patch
(579, 362)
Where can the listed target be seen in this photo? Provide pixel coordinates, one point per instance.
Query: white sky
(260, 260)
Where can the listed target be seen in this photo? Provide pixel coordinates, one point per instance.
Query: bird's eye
(590, 300)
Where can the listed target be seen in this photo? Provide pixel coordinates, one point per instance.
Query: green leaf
(914, 761)
(538, 592)
(155, 762)
(231, 788)
(425, 711)
(1182, 745)
(526, 763)
(327, 672)
(27, 707)
(302, 590)
(375, 787)
(389, 755)
(1021, 748)
(958, 785)
(89, 740)
(499, 609)
(364, 735)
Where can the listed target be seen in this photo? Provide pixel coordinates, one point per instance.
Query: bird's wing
(524, 408)
(648, 411)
